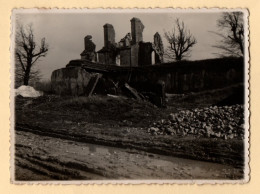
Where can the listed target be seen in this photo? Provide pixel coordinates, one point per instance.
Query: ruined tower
(158, 48)
(89, 52)
(109, 35)
(89, 45)
(137, 30)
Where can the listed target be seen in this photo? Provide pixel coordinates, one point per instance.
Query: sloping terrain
(49, 125)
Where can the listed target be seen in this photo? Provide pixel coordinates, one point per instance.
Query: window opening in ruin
(118, 60)
(153, 57)
(97, 57)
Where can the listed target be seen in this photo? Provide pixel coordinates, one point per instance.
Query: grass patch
(44, 86)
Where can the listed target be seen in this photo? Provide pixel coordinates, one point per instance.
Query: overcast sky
(65, 32)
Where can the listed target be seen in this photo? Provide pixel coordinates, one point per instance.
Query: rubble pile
(225, 122)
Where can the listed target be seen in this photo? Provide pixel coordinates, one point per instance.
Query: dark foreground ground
(107, 137)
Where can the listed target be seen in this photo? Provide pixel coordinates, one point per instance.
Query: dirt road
(64, 138)
(48, 158)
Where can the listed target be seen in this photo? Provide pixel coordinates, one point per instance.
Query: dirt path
(48, 158)
(123, 123)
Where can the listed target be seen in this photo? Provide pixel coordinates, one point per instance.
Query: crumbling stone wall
(137, 28)
(89, 52)
(145, 53)
(135, 55)
(71, 81)
(158, 48)
(126, 41)
(191, 76)
(125, 57)
(107, 57)
(178, 77)
(130, 50)
(109, 35)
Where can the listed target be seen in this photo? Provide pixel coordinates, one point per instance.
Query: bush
(44, 86)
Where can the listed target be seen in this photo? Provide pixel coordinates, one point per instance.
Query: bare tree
(27, 53)
(231, 27)
(35, 75)
(180, 40)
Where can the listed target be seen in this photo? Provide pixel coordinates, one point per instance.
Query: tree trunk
(178, 58)
(27, 72)
(26, 79)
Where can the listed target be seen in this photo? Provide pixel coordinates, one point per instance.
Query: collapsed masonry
(129, 51)
(107, 70)
(127, 68)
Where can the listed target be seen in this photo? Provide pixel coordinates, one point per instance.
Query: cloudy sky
(65, 32)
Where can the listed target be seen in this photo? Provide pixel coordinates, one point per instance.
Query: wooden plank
(133, 91)
(92, 84)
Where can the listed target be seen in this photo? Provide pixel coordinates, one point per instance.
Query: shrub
(44, 86)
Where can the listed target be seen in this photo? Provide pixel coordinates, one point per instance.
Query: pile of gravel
(225, 122)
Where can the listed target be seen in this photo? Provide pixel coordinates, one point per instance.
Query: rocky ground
(188, 140)
(225, 122)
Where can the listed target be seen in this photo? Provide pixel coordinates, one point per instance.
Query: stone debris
(226, 122)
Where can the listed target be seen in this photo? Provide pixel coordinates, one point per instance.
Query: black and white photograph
(129, 96)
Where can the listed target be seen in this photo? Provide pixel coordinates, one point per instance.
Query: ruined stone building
(129, 51)
(108, 71)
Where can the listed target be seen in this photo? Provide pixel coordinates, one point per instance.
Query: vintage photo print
(129, 96)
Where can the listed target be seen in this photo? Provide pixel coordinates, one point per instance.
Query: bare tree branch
(20, 60)
(180, 41)
(28, 53)
(231, 26)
